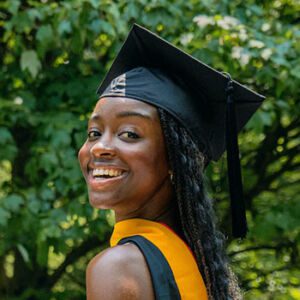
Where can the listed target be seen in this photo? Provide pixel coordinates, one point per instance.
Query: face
(124, 159)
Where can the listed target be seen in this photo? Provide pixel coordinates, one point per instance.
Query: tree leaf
(5, 136)
(13, 6)
(64, 27)
(102, 26)
(296, 72)
(30, 62)
(45, 34)
(13, 202)
(4, 216)
(23, 252)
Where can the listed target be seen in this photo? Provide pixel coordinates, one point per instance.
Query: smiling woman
(158, 122)
(124, 159)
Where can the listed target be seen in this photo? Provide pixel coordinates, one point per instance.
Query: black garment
(164, 285)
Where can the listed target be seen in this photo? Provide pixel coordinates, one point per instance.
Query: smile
(106, 173)
(103, 177)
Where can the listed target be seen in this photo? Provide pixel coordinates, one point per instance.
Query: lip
(91, 167)
(97, 183)
(101, 183)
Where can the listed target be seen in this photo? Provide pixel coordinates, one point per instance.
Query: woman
(150, 136)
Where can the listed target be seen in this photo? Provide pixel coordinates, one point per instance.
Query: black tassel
(238, 213)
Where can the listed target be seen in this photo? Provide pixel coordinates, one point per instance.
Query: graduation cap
(209, 104)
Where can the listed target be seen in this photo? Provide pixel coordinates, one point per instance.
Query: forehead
(114, 105)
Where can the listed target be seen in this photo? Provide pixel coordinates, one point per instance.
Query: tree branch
(261, 247)
(264, 274)
(265, 182)
(74, 279)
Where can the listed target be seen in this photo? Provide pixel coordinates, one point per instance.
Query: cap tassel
(238, 212)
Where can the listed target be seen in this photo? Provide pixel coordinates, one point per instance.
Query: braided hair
(195, 210)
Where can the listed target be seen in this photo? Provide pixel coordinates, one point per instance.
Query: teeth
(107, 172)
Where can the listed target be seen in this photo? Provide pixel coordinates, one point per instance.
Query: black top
(164, 285)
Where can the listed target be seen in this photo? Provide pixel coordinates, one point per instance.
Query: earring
(171, 176)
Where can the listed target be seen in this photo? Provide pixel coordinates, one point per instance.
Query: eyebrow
(123, 114)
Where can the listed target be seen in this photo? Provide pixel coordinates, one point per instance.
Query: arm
(119, 273)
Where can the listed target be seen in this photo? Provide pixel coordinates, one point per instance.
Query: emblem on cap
(117, 86)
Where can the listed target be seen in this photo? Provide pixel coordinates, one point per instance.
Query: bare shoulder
(119, 272)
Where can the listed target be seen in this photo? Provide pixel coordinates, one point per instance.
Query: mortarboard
(209, 104)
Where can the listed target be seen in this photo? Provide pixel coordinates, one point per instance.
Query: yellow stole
(180, 258)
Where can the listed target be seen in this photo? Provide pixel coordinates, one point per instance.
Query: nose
(103, 147)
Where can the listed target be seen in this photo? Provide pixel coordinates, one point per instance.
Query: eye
(93, 134)
(130, 135)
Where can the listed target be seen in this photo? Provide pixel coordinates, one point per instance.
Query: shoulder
(119, 272)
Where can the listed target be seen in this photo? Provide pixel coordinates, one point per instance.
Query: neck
(170, 217)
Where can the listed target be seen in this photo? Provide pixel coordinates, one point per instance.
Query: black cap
(209, 104)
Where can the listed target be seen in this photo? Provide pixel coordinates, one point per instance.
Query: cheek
(160, 161)
(83, 155)
(149, 159)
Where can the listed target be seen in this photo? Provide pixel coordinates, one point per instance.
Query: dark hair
(195, 210)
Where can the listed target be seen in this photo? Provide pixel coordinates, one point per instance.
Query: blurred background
(53, 56)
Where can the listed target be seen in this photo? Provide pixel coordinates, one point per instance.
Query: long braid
(195, 210)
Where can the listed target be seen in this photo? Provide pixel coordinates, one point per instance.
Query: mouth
(103, 176)
(106, 173)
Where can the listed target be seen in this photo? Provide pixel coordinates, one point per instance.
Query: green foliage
(53, 55)
(30, 61)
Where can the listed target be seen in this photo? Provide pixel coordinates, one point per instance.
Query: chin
(100, 202)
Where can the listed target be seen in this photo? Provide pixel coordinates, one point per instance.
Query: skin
(125, 135)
